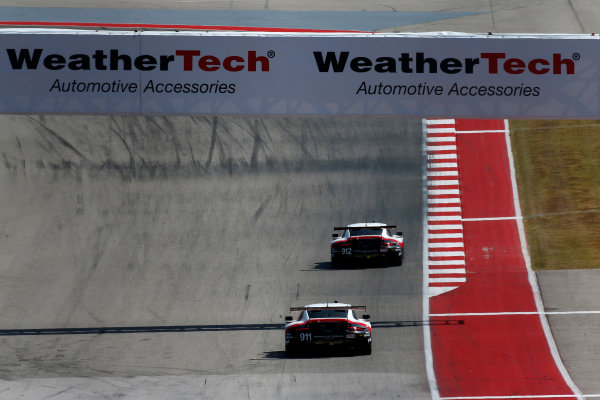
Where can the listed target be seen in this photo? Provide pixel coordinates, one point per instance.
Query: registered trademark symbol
(576, 56)
(271, 53)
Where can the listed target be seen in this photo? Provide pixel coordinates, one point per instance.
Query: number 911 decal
(327, 324)
(306, 337)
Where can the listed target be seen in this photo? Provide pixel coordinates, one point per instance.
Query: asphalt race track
(211, 229)
(156, 257)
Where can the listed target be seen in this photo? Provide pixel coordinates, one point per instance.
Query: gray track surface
(216, 226)
(212, 225)
(575, 334)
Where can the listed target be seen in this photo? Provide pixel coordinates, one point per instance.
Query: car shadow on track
(325, 352)
(326, 266)
(140, 329)
(197, 328)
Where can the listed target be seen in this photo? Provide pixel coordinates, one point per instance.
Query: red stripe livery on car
(327, 324)
(365, 241)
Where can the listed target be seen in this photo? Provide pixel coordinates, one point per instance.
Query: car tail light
(341, 244)
(388, 243)
(355, 328)
(301, 328)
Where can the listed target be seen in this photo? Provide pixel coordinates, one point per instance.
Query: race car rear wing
(343, 228)
(328, 307)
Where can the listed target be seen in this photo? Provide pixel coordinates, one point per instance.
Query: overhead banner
(412, 75)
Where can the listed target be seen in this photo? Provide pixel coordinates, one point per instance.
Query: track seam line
(427, 349)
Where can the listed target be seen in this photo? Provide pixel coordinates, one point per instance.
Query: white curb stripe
(441, 220)
(441, 130)
(441, 147)
(446, 253)
(443, 191)
(440, 122)
(456, 271)
(454, 200)
(443, 165)
(446, 262)
(447, 280)
(443, 182)
(441, 139)
(445, 244)
(444, 209)
(456, 235)
(445, 227)
(441, 156)
(442, 173)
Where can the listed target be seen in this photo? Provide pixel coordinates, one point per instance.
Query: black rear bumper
(318, 342)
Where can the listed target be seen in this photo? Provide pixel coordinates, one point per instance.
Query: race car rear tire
(399, 260)
(396, 260)
(335, 262)
(365, 349)
(291, 350)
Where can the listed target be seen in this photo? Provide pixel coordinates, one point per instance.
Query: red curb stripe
(442, 187)
(432, 152)
(439, 126)
(444, 222)
(444, 240)
(446, 284)
(499, 356)
(442, 169)
(446, 258)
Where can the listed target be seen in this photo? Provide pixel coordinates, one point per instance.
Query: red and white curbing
(446, 266)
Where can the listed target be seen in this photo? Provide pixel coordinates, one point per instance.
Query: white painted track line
(494, 314)
(491, 219)
(524, 397)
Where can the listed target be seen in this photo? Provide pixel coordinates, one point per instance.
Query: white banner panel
(417, 75)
